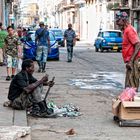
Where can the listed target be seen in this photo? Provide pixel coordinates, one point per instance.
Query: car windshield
(58, 32)
(33, 36)
(112, 34)
(52, 38)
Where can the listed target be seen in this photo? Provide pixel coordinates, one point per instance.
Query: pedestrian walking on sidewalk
(20, 49)
(3, 35)
(11, 52)
(26, 91)
(70, 38)
(43, 46)
(130, 50)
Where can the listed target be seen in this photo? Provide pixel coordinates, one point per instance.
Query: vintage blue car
(29, 50)
(108, 40)
(58, 35)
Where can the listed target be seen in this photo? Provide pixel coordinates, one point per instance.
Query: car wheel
(96, 49)
(57, 59)
(118, 50)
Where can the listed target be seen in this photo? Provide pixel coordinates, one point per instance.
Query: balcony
(66, 5)
(136, 9)
(125, 5)
(118, 6)
(113, 6)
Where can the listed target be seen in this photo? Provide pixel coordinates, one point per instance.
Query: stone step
(15, 133)
(6, 116)
(20, 118)
(13, 124)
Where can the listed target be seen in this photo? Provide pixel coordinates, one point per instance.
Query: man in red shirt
(130, 50)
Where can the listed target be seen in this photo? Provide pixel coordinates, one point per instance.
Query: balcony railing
(136, 4)
(119, 6)
(65, 5)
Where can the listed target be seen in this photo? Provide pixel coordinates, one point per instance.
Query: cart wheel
(121, 123)
(115, 118)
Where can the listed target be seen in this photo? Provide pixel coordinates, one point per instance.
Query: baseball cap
(121, 15)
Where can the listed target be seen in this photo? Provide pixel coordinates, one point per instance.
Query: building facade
(135, 15)
(5, 11)
(132, 7)
(86, 16)
(29, 15)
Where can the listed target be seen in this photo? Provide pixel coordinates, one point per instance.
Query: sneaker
(43, 71)
(8, 78)
(39, 70)
(46, 115)
(69, 60)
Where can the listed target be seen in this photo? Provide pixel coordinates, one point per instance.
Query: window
(125, 2)
(112, 34)
(58, 33)
(136, 21)
(134, 3)
(138, 2)
(52, 38)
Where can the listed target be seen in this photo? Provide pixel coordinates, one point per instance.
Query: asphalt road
(90, 82)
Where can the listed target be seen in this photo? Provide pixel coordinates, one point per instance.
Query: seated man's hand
(45, 78)
(51, 83)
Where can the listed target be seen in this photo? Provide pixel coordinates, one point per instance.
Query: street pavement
(84, 83)
(89, 82)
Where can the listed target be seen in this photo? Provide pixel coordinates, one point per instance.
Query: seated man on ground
(26, 91)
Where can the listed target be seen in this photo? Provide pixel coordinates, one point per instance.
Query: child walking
(11, 52)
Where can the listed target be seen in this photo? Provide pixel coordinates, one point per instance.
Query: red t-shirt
(130, 38)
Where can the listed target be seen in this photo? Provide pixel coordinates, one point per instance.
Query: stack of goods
(127, 105)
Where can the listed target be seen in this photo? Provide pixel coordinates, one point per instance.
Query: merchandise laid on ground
(126, 108)
(67, 110)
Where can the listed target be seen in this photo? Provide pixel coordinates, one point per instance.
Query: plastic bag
(128, 94)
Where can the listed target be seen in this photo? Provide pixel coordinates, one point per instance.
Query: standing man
(11, 52)
(130, 50)
(70, 37)
(43, 46)
(3, 35)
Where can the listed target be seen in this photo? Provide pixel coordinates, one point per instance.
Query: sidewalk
(13, 123)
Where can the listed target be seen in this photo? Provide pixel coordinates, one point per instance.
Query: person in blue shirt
(43, 45)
